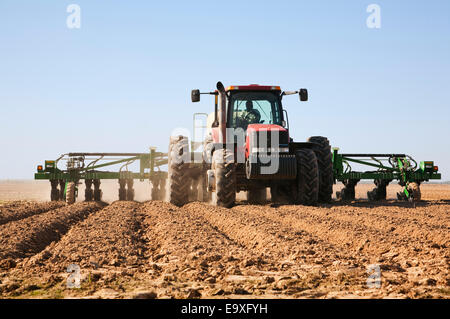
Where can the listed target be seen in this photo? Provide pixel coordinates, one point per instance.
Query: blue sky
(122, 81)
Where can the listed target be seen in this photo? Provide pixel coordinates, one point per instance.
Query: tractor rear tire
(178, 180)
(307, 184)
(256, 196)
(224, 169)
(325, 163)
(70, 193)
(414, 192)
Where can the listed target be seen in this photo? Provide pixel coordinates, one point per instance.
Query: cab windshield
(254, 108)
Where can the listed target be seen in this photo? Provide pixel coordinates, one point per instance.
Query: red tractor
(248, 148)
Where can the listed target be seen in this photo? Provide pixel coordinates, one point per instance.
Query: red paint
(260, 127)
(254, 87)
(215, 132)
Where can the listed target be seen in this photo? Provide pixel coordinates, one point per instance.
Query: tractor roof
(253, 87)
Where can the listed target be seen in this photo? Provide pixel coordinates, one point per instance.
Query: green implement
(389, 167)
(87, 167)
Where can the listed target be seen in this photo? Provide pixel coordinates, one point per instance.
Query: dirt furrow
(431, 212)
(407, 226)
(110, 238)
(256, 233)
(154, 249)
(358, 232)
(402, 258)
(187, 249)
(22, 209)
(315, 263)
(26, 237)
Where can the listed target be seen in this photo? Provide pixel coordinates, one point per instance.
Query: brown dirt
(154, 249)
(112, 236)
(21, 209)
(28, 236)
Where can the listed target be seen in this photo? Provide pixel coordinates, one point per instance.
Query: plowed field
(153, 249)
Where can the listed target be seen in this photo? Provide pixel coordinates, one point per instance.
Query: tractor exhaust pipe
(222, 112)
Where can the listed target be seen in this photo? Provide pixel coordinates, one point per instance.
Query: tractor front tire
(178, 181)
(322, 149)
(307, 183)
(224, 170)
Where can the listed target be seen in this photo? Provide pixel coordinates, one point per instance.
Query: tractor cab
(243, 105)
(254, 104)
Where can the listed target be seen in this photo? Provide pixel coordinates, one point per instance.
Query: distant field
(40, 190)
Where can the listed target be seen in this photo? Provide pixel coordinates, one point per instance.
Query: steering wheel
(255, 113)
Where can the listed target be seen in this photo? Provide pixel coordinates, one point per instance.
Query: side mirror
(195, 95)
(303, 94)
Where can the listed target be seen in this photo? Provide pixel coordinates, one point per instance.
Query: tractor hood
(262, 138)
(265, 127)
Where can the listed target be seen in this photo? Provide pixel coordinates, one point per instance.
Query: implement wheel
(122, 189)
(414, 192)
(379, 192)
(179, 182)
(130, 194)
(347, 193)
(62, 185)
(155, 193)
(325, 163)
(307, 184)
(130, 189)
(280, 194)
(97, 190)
(70, 193)
(256, 195)
(122, 194)
(224, 171)
(54, 194)
(88, 192)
